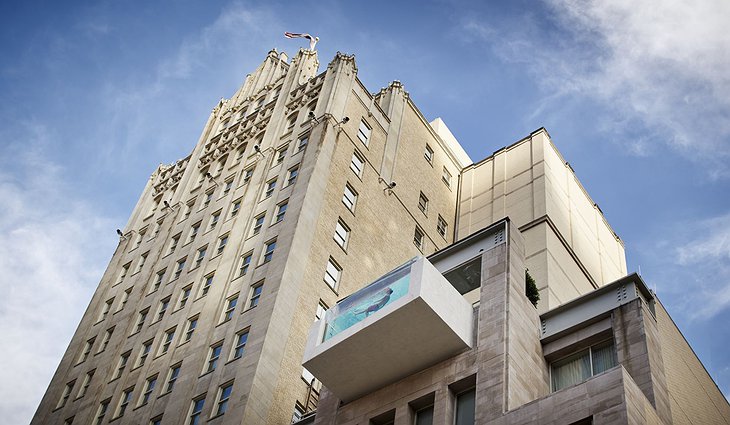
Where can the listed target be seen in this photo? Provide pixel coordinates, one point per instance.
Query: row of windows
(200, 256)
(194, 414)
(212, 361)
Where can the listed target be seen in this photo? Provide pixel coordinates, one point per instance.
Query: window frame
(268, 253)
(364, 132)
(239, 347)
(342, 234)
(223, 398)
(357, 169)
(327, 273)
(349, 203)
(214, 356)
(255, 292)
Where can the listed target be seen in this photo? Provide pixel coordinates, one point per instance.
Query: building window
(418, 238)
(256, 289)
(149, 388)
(87, 349)
(363, 132)
(192, 324)
(423, 203)
(247, 174)
(240, 152)
(172, 377)
(281, 155)
(228, 185)
(214, 356)
(196, 411)
(222, 241)
(105, 309)
(207, 283)
(291, 176)
(270, 186)
(245, 263)
(342, 234)
(162, 308)
(224, 394)
(156, 229)
(321, 309)
(193, 232)
(230, 308)
(280, 211)
(208, 198)
(332, 273)
(140, 238)
(446, 177)
(298, 412)
(105, 340)
(184, 296)
(424, 416)
(159, 276)
(173, 244)
(124, 402)
(258, 223)
(465, 413)
(123, 359)
(188, 208)
(179, 268)
(85, 384)
(357, 164)
(349, 198)
(214, 220)
(240, 347)
(236, 208)
(140, 319)
(428, 154)
(269, 251)
(302, 143)
(140, 264)
(290, 122)
(123, 272)
(169, 336)
(125, 298)
(582, 365)
(101, 411)
(203, 173)
(65, 395)
(221, 165)
(441, 226)
(143, 353)
(200, 257)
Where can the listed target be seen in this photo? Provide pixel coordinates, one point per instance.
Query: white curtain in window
(604, 358)
(571, 371)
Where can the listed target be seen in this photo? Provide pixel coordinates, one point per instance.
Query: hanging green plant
(531, 289)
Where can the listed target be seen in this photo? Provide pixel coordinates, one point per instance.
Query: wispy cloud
(221, 49)
(690, 265)
(708, 255)
(50, 252)
(657, 66)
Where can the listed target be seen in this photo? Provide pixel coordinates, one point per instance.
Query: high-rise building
(303, 189)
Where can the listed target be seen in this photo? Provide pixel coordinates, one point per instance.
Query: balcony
(402, 323)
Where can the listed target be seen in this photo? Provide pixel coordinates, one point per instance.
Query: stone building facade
(303, 188)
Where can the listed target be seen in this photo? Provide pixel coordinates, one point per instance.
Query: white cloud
(691, 267)
(664, 62)
(189, 79)
(51, 249)
(659, 67)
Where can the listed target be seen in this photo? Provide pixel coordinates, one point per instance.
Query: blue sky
(94, 95)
